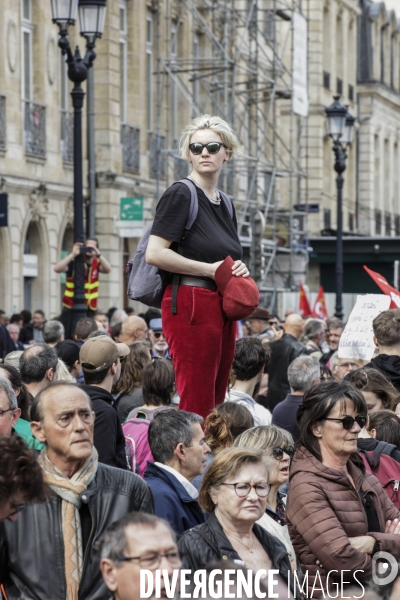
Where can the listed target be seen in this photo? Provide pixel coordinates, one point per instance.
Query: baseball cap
(100, 353)
(155, 324)
(68, 351)
(239, 294)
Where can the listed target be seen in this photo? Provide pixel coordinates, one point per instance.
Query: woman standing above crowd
(201, 339)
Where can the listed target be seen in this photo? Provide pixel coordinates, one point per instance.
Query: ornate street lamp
(340, 129)
(92, 16)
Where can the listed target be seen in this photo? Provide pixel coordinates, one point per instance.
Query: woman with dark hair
(22, 426)
(378, 392)
(385, 427)
(338, 515)
(158, 388)
(128, 389)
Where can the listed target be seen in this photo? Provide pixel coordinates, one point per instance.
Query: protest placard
(357, 338)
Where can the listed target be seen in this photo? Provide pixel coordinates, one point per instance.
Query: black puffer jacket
(196, 552)
(32, 549)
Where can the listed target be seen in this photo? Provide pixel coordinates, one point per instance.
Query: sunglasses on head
(212, 147)
(278, 452)
(348, 421)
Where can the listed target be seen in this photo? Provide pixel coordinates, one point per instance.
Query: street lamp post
(340, 129)
(91, 17)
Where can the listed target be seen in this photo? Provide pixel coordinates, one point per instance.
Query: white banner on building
(300, 77)
(357, 338)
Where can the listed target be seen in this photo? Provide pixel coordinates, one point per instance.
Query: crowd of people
(104, 475)
(204, 446)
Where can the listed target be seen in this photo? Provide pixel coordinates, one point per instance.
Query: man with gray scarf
(49, 551)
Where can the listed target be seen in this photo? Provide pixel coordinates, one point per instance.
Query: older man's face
(13, 330)
(67, 428)
(152, 545)
(8, 417)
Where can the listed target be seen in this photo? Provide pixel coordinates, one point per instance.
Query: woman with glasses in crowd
(200, 337)
(277, 446)
(338, 515)
(127, 390)
(234, 493)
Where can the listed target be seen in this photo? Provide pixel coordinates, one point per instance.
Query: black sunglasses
(348, 422)
(278, 452)
(212, 147)
(158, 334)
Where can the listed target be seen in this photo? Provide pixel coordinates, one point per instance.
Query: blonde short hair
(264, 437)
(224, 130)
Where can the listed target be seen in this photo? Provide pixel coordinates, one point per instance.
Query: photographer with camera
(95, 263)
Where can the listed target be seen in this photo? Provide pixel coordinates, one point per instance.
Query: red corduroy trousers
(201, 343)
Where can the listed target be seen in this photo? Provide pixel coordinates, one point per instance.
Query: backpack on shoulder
(137, 445)
(380, 463)
(145, 283)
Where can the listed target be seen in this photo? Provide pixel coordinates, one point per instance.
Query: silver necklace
(214, 201)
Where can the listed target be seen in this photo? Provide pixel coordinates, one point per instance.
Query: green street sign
(131, 209)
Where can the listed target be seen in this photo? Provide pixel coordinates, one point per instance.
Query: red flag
(320, 310)
(304, 305)
(385, 287)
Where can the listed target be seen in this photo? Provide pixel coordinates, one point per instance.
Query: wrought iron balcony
(67, 136)
(35, 128)
(130, 140)
(157, 159)
(2, 122)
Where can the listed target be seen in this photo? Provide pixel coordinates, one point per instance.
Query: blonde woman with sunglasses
(200, 338)
(277, 446)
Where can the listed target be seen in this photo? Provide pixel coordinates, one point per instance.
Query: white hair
(224, 130)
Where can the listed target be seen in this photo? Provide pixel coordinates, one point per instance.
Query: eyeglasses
(212, 147)
(243, 489)
(278, 452)
(348, 421)
(5, 411)
(144, 330)
(158, 334)
(153, 561)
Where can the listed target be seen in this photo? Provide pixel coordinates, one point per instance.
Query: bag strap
(227, 202)
(193, 210)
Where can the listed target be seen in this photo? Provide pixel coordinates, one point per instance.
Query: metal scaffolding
(240, 68)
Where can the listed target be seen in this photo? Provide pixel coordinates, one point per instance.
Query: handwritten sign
(357, 338)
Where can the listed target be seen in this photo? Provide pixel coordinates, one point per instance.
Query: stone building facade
(354, 49)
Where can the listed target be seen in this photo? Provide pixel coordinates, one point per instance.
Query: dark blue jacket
(284, 414)
(171, 501)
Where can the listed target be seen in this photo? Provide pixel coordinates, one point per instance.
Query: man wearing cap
(258, 323)
(159, 346)
(100, 358)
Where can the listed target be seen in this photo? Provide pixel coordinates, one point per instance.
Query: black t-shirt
(213, 235)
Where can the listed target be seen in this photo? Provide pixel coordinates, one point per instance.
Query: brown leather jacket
(323, 510)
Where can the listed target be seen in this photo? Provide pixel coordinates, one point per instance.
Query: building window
(378, 222)
(149, 69)
(327, 218)
(269, 24)
(67, 117)
(174, 89)
(397, 225)
(327, 80)
(339, 86)
(123, 30)
(27, 29)
(351, 221)
(388, 224)
(351, 92)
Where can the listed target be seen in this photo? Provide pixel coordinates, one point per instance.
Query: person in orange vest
(95, 263)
